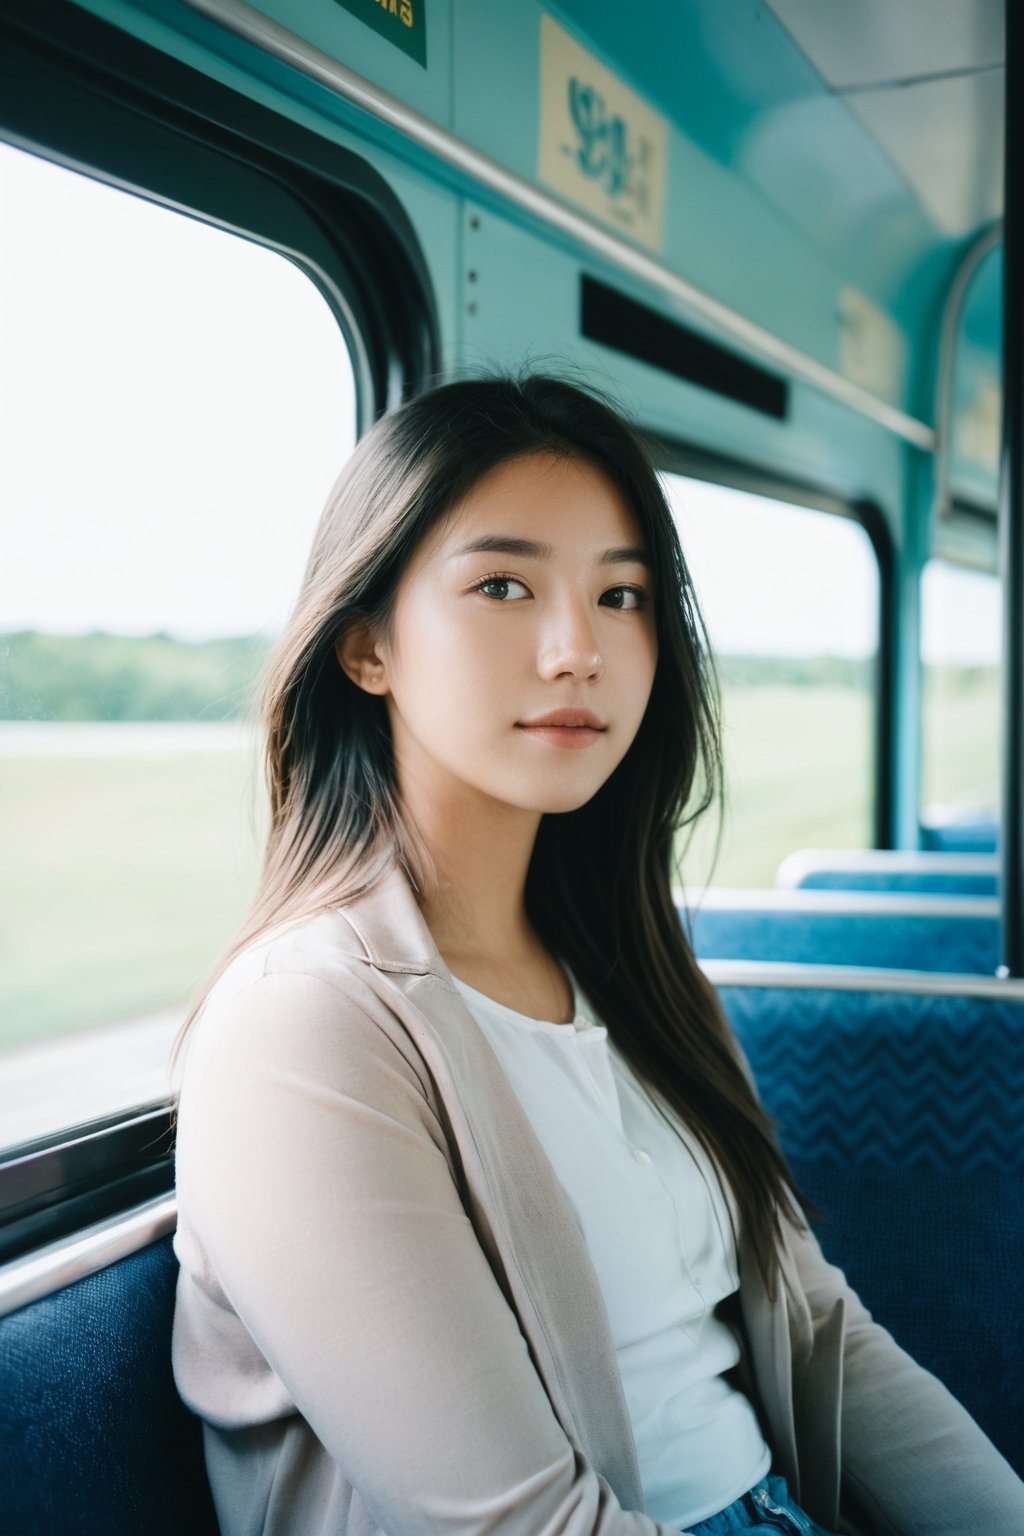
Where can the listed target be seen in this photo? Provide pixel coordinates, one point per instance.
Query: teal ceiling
(873, 126)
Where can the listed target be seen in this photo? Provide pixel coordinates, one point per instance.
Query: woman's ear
(358, 658)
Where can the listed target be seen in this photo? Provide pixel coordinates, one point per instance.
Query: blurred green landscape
(123, 877)
(127, 677)
(131, 850)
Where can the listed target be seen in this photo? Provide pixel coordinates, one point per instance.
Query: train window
(961, 617)
(791, 600)
(177, 401)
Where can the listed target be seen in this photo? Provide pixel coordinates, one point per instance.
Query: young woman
(481, 1226)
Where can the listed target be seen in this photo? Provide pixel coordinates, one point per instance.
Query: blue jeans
(767, 1507)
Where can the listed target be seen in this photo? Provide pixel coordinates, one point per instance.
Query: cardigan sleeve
(316, 1179)
(913, 1460)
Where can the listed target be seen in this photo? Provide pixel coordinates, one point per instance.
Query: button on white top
(641, 1157)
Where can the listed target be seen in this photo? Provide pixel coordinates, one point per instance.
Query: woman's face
(533, 596)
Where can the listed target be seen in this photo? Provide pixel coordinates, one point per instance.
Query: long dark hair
(599, 885)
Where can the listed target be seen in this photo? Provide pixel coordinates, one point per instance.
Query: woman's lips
(563, 735)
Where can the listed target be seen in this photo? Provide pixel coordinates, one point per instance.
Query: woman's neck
(472, 859)
(472, 899)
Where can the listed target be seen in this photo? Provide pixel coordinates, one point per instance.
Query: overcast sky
(176, 403)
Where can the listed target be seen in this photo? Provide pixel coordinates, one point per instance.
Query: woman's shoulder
(307, 984)
(331, 988)
(301, 1001)
(322, 947)
(353, 946)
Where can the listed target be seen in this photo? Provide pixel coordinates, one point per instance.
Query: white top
(658, 1231)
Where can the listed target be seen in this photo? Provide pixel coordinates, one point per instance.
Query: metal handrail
(803, 976)
(63, 1262)
(952, 314)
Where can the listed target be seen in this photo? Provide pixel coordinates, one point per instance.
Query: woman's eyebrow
(503, 544)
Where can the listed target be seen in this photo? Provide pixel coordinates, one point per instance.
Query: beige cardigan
(386, 1314)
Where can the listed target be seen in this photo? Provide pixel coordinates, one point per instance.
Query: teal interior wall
(720, 232)
(753, 215)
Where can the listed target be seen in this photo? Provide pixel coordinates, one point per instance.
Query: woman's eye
(626, 597)
(499, 587)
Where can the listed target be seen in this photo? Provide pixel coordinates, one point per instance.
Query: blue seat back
(901, 1116)
(960, 833)
(900, 1113)
(937, 882)
(94, 1439)
(927, 933)
(895, 870)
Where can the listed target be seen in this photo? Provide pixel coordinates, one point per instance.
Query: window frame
(680, 457)
(76, 90)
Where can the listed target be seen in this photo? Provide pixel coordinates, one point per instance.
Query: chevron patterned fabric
(888, 1079)
(902, 1116)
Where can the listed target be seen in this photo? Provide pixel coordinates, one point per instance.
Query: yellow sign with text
(600, 146)
(872, 351)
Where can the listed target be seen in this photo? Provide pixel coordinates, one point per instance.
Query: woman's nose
(568, 644)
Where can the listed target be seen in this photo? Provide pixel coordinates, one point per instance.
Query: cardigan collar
(392, 928)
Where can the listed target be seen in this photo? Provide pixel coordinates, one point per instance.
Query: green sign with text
(402, 22)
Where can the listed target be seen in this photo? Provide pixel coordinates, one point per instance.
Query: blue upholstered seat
(961, 833)
(927, 933)
(94, 1439)
(893, 870)
(937, 882)
(901, 1115)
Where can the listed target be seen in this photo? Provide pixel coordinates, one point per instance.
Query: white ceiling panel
(871, 42)
(925, 78)
(946, 136)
